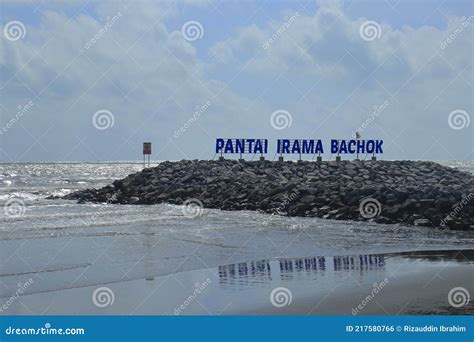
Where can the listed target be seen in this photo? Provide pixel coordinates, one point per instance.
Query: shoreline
(405, 192)
(415, 283)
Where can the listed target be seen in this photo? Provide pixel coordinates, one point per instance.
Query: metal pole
(357, 158)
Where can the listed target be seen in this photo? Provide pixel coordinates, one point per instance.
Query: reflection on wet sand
(332, 285)
(289, 268)
(258, 272)
(360, 262)
(245, 273)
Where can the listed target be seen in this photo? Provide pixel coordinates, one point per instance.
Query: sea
(67, 245)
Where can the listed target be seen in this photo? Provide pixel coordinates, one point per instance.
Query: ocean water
(68, 245)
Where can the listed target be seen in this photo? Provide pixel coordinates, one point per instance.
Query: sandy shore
(419, 283)
(391, 284)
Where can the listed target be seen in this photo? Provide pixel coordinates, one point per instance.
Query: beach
(153, 257)
(419, 193)
(237, 170)
(396, 284)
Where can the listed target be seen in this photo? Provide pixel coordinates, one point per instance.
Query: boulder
(408, 192)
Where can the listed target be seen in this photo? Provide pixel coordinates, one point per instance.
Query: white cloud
(342, 76)
(318, 68)
(149, 77)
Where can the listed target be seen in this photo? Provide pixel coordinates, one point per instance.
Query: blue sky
(152, 81)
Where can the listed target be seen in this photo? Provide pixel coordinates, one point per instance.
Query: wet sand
(407, 283)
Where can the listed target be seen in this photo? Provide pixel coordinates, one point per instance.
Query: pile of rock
(407, 192)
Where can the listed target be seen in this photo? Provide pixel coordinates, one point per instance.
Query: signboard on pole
(146, 152)
(147, 148)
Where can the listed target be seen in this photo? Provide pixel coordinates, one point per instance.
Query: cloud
(332, 77)
(133, 62)
(124, 60)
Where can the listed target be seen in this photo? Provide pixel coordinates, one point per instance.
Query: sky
(93, 80)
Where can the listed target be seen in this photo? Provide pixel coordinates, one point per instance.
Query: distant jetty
(417, 193)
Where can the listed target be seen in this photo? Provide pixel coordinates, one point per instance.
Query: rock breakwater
(407, 192)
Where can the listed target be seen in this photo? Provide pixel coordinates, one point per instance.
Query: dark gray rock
(407, 192)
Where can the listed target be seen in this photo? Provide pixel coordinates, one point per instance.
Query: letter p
(219, 145)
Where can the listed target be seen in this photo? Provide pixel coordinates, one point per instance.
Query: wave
(33, 194)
